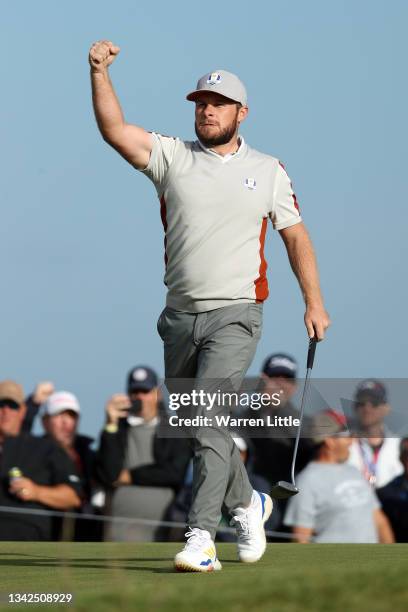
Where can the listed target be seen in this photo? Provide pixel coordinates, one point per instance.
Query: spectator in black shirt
(394, 498)
(273, 446)
(143, 469)
(34, 473)
(60, 418)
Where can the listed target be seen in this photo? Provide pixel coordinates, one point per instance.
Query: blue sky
(81, 243)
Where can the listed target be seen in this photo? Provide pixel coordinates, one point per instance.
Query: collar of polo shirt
(224, 158)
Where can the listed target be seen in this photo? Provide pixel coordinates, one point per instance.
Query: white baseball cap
(223, 83)
(60, 401)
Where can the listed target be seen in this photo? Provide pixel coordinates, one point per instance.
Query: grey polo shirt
(336, 502)
(215, 211)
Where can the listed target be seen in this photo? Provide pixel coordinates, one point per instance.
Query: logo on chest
(250, 183)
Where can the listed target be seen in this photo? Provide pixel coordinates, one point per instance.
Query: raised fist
(101, 55)
(42, 392)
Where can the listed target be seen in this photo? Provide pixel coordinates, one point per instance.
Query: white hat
(222, 82)
(60, 401)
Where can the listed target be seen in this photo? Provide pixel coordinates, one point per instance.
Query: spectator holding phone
(143, 469)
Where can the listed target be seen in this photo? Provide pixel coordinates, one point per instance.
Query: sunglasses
(368, 403)
(8, 403)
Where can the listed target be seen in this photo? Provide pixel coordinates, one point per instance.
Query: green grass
(289, 578)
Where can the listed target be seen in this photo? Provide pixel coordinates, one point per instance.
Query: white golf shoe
(199, 554)
(250, 526)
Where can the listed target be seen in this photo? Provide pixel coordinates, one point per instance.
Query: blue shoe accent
(206, 562)
(262, 496)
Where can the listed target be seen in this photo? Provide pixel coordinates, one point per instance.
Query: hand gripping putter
(283, 489)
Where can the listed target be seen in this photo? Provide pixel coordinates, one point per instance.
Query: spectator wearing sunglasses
(35, 473)
(375, 449)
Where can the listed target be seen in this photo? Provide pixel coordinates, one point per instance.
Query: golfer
(216, 195)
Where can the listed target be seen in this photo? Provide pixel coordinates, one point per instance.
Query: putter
(283, 489)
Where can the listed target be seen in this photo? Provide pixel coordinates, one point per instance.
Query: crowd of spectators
(352, 476)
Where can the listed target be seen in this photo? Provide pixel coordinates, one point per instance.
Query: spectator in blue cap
(273, 446)
(142, 468)
(375, 449)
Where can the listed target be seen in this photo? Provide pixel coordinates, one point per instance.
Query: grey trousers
(211, 349)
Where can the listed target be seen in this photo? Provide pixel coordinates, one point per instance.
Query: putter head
(283, 490)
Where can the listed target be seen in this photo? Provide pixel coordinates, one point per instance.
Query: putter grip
(311, 353)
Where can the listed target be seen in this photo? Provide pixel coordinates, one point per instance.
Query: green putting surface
(133, 576)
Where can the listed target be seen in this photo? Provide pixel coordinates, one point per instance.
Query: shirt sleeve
(285, 211)
(161, 158)
(31, 413)
(301, 509)
(110, 455)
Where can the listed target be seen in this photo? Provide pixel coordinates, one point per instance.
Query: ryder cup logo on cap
(250, 183)
(214, 78)
(141, 378)
(221, 82)
(139, 374)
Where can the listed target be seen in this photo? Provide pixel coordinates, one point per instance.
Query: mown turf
(290, 577)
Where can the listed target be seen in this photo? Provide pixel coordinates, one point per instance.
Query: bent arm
(60, 497)
(132, 142)
(384, 530)
(303, 262)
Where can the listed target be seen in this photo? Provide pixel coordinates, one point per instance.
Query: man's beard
(223, 137)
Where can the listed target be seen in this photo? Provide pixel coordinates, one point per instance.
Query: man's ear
(243, 113)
